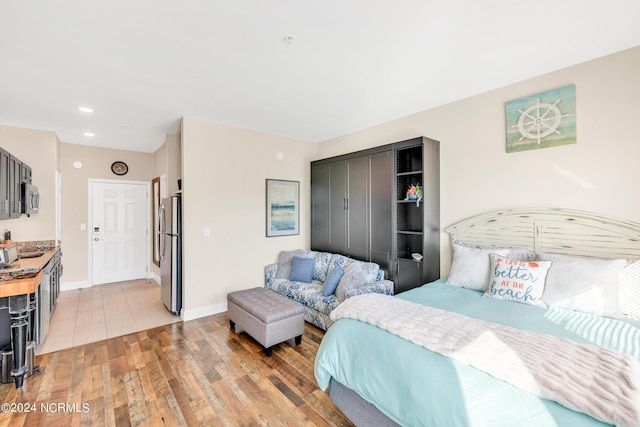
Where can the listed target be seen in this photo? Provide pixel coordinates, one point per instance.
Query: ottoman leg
(298, 339)
(268, 351)
(232, 324)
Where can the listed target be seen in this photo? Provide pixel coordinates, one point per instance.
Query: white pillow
(629, 289)
(517, 281)
(470, 265)
(285, 261)
(583, 283)
(354, 275)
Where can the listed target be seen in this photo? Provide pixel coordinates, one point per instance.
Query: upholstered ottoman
(268, 317)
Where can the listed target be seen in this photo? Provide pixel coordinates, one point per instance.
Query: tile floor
(105, 311)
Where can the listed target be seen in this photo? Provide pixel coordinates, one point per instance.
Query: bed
(380, 374)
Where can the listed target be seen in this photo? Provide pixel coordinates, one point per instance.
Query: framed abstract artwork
(283, 207)
(547, 119)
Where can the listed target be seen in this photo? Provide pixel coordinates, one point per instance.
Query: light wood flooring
(191, 373)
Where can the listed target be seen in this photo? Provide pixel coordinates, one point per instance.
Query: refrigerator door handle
(163, 220)
(162, 231)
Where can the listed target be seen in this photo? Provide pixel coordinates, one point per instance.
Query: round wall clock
(119, 168)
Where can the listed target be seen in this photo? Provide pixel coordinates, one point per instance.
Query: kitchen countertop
(39, 262)
(25, 275)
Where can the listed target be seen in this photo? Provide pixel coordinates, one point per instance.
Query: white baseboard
(196, 313)
(154, 276)
(69, 286)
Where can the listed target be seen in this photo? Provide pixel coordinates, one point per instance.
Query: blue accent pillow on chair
(332, 280)
(302, 269)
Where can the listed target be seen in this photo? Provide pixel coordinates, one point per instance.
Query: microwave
(30, 199)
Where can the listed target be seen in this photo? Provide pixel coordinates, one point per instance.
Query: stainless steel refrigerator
(170, 215)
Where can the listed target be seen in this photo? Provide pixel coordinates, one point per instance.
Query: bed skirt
(358, 410)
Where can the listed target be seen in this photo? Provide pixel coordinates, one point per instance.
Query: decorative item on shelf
(414, 193)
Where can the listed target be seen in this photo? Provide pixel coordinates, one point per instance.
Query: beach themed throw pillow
(517, 281)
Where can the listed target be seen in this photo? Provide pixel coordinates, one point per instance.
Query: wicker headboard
(560, 231)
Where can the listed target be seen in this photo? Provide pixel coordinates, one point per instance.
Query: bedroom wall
(224, 172)
(600, 173)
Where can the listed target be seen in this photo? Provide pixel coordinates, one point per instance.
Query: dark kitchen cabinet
(56, 273)
(4, 184)
(12, 174)
(25, 174)
(15, 184)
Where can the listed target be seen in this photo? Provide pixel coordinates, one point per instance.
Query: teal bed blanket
(416, 387)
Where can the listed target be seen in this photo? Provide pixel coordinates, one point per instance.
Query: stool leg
(298, 339)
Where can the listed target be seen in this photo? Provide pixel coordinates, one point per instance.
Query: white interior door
(119, 231)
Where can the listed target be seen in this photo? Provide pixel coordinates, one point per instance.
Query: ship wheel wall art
(544, 120)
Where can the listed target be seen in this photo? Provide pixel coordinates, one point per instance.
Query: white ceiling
(144, 64)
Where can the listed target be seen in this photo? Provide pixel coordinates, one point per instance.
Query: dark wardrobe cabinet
(351, 206)
(357, 209)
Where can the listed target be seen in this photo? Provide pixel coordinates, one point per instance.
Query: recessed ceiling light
(85, 109)
(89, 134)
